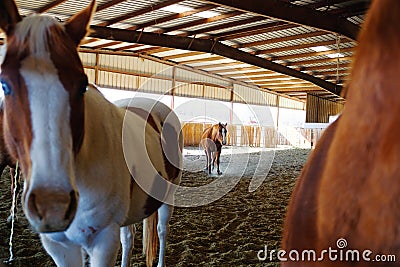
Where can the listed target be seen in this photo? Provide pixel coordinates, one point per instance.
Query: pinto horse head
(221, 135)
(44, 85)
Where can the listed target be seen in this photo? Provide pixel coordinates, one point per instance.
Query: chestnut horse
(347, 198)
(212, 140)
(91, 169)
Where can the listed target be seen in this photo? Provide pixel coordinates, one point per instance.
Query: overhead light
(320, 48)
(207, 14)
(176, 8)
(335, 55)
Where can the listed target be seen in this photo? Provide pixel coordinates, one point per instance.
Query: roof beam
(254, 30)
(108, 4)
(225, 26)
(294, 14)
(281, 39)
(172, 17)
(325, 3)
(295, 47)
(207, 46)
(50, 6)
(199, 22)
(139, 12)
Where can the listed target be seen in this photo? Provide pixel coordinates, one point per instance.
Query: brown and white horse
(212, 140)
(91, 169)
(347, 196)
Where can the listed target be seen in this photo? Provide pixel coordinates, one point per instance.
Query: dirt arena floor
(227, 232)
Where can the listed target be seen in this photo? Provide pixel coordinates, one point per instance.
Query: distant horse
(212, 140)
(347, 196)
(91, 169)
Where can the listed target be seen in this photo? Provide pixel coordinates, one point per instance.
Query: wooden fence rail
(255, 136)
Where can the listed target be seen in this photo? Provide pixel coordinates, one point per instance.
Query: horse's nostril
(33, 206)
(72, 205)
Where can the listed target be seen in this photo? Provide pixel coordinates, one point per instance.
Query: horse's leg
(66, 254)
(206, 167)
(217, 155)
(164, 215)
(127, 235)
(213, 155)
(208, 160)
(210, 156)
(103, 250)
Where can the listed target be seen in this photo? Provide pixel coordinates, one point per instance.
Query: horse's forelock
(34, 30)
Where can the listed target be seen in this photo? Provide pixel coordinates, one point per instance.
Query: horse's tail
(150, 238)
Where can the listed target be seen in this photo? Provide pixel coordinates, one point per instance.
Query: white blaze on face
(51, 148)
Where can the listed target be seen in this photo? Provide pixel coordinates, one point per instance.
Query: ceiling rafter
(127, 47)
(296, 14)
(228, 70)
(181, 55)
(341, 60)
(295, 47)
(311, 54)
(326, 3)
(258, 29)
(224, 26)
(108, 4)
(252, 73)
(50, 6)
(351, 10)
(198, 60)
(106, 44)
(327, 66)
(162, 20)
(205, 46)
(218, 65)
(281, 39)
(139, 12)
(199, 22)
(172, 17)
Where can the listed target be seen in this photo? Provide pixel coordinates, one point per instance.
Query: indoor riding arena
(255, 85)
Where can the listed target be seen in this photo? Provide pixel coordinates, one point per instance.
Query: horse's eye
(83, 90)
(84, 86)
(6, 87)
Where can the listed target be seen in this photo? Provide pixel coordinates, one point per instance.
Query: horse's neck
(212, 134)
(103, 124)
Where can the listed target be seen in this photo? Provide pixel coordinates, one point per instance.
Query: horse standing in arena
(347, 196)
(91, 169)
(212, 140)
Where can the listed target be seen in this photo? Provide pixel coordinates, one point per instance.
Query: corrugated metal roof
(251, 33)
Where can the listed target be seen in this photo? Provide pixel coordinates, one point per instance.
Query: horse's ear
(9, 16)
(226, 124)
(78, 26)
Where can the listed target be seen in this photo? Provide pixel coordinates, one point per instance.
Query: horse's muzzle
(50, 211)
(224, 142)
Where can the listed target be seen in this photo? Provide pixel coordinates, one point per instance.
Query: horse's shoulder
(303, 203)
